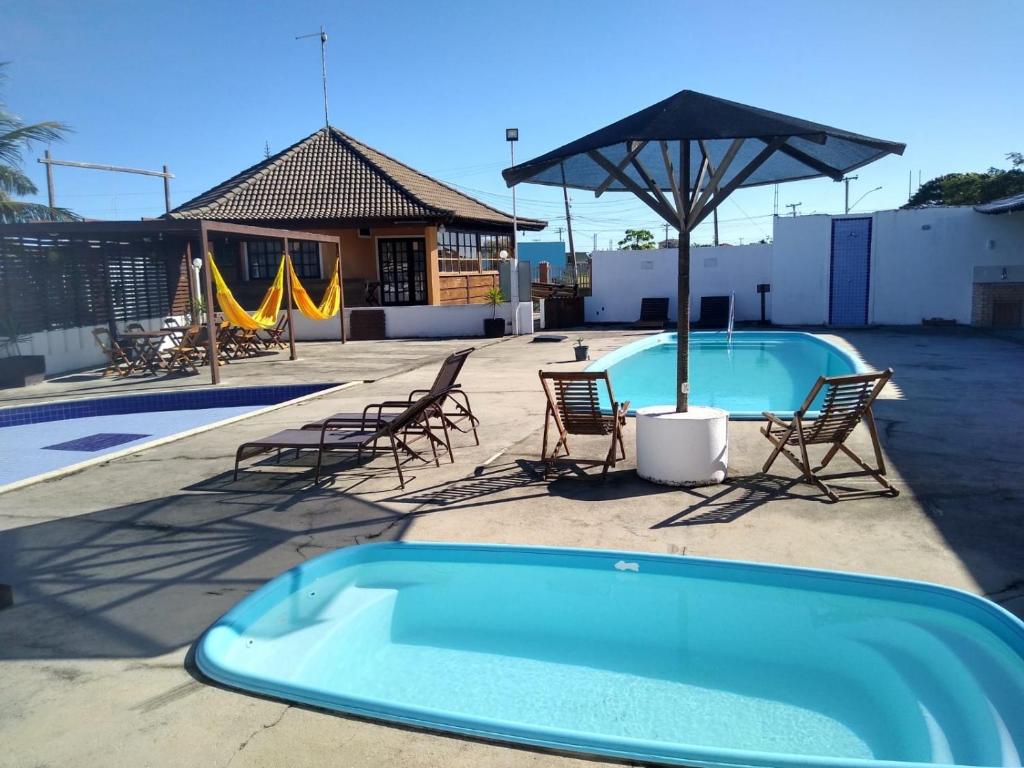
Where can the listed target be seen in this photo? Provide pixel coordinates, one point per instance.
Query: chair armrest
(774, 419)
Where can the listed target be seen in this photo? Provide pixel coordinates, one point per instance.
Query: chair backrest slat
(575, 400)
(846, 400)
(653, 308)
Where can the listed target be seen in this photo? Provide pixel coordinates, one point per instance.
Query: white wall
(72, 349)
(922, 263)
(622, 278)
(801, 251)
(919, 273)
(449, 321)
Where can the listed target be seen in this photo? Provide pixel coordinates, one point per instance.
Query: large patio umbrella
(683, 156)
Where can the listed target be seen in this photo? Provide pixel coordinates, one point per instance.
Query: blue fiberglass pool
(758, 371)
(637, 656)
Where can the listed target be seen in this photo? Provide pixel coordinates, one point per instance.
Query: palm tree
(16, 137)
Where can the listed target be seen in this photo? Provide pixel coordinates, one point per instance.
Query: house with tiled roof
(406, 238)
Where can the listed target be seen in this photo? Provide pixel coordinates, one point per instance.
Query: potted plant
(16, 369)
(494, 326)
(582, 350)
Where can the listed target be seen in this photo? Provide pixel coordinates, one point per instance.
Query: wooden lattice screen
(49, 283)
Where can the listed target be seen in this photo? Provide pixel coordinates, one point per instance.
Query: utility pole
(595, 241)
(559, 230)
(322, 34)
(846, 192)
(568, 223)
(793, 207)
(775, 210)
(666, 232)
(715, 213)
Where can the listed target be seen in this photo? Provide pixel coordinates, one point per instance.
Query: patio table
(144, 346)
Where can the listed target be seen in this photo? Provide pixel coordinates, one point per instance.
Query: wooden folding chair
(119, 360)
(274, 337)
(575, 408)
(846, 403)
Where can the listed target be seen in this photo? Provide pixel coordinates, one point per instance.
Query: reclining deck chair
(331, 436)
(847, 402)
(653, 313)
(574, 405)
(453, 409)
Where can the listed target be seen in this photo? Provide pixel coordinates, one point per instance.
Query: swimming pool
(38, 441)
(758, 371)
(637, 656)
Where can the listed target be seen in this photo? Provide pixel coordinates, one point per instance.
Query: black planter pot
(22, 371)
(494, 327)
(582, 353)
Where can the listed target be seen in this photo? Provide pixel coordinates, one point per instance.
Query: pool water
(653, 657)
(755, 372)
(36, 440)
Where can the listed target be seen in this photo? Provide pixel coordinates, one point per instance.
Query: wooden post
(51, 194)
(288, 293)
(211, 327)
(683, 286)
(167, 190)
(341, 294)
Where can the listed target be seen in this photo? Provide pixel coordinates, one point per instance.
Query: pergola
(58, 274)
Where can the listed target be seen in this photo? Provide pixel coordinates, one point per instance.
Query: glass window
(265, 255)
(470, 251)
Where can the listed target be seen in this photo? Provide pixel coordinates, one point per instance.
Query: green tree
(16, 137)
(972, 188)
(637, 240)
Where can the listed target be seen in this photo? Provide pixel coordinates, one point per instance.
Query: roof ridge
(363, 146)
(240, 181)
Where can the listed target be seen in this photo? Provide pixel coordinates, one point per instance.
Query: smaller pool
(757, 371)
(39, 440)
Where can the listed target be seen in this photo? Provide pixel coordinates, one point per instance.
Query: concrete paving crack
(257, 732)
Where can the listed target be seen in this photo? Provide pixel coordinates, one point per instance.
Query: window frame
(265, 255)
(461, 251)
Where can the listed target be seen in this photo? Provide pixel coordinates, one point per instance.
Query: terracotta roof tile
(331, 176)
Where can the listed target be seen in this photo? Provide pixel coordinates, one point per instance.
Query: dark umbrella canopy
(683, 156)
(711, 125)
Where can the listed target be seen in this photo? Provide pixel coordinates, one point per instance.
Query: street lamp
(512, 136)
(851, 207)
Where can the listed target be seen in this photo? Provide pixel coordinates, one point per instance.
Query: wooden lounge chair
(452, 409)
(119, 360)
(653, 312)
(575, 408)
(714, 312)
(847, 402)
(411, 423)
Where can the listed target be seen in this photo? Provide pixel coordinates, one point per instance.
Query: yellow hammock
(329, 305)
(265, 316)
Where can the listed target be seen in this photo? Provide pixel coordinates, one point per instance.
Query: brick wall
(985, 297)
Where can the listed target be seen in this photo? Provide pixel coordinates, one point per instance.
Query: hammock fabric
(265, 316)
(329, 305)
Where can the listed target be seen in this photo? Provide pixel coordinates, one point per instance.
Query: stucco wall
(800, 270)
(421, 322)
(622, 278)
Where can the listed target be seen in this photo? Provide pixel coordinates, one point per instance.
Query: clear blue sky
(202, 86)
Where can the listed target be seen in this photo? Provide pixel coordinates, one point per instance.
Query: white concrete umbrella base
(689, 448)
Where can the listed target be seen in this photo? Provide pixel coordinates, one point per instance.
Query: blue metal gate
(851, 270)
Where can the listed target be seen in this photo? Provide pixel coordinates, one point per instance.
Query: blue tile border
(157, 401)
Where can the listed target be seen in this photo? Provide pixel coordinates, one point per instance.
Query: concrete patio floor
(119, 568)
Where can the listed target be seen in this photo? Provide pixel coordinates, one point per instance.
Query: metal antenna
(322, 34)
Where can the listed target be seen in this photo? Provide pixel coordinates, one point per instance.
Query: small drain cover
(96, 442)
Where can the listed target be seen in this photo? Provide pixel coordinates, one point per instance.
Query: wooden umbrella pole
(683, 287)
